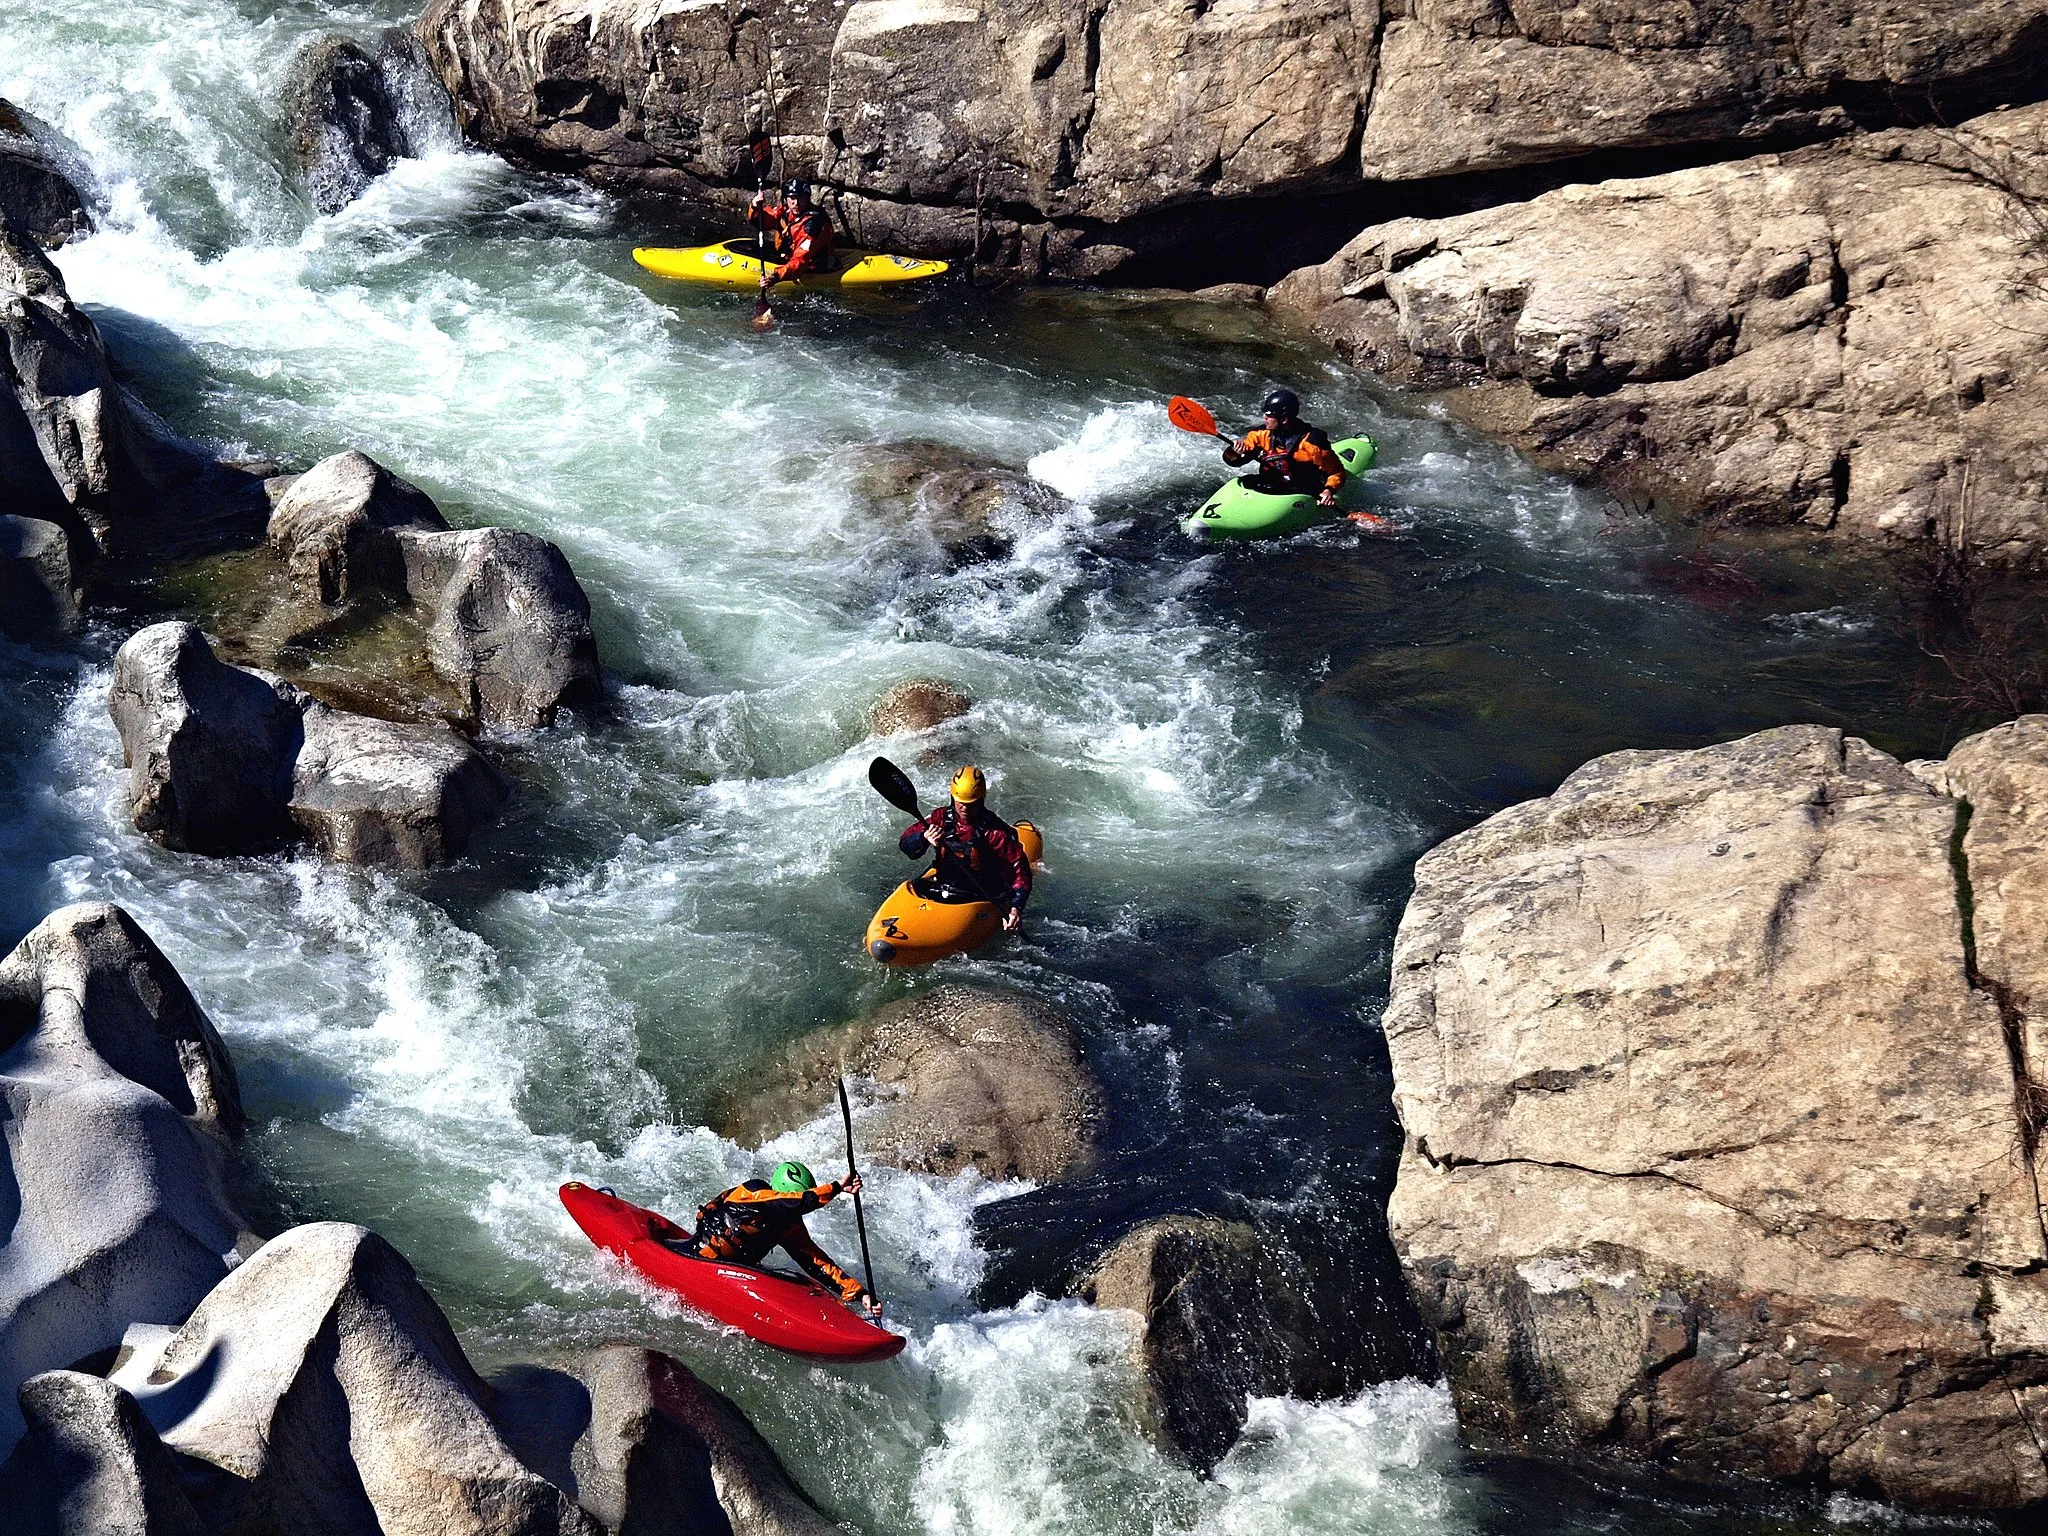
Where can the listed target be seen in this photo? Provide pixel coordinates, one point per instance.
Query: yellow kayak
(737, 264)
(923, 921)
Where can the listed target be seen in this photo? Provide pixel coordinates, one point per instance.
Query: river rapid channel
(1237, 754)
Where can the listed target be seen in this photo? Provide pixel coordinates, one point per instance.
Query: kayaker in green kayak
(1294, 458)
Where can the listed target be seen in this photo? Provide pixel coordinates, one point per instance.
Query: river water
(1236, 754)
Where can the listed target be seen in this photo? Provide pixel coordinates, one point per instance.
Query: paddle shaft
(860, 1219)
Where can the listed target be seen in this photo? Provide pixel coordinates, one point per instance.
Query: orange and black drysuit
(977, 851)
(1294, 460)
(772, 218)
(746, 1223)
(806, 244)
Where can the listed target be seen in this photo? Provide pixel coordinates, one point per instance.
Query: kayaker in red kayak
(978, 851)
(749, 1221)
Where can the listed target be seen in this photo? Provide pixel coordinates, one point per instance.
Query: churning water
(1236, 753)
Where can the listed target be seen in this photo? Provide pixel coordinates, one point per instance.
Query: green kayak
(1238, 512)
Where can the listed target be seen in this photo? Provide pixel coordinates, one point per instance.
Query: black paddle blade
(893, 785)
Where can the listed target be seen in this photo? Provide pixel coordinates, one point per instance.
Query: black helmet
(797, 190)
(1281, 403)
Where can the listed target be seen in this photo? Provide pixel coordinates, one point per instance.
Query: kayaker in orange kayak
(978, 852)
(749, 1221)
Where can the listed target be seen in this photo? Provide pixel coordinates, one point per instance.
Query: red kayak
(790, 1314)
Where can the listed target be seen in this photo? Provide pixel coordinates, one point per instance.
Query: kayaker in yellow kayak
(1294, 458)
(978, 852)
(749, 1221)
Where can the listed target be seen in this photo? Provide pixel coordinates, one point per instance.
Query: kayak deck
(1236, 511)
(736, 264)
(789, 1314)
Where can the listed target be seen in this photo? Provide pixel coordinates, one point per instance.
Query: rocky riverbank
(1128, 133)
(1721, 1076)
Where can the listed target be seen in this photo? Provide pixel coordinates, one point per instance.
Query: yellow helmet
(968, 785)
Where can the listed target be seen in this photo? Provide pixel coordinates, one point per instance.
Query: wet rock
(1076, 140)
(209, 748)
(648, 1448)
(969, 507)
(965, 1077)
(90, 1465)
(334, 528)
(36, 191)
(64, 448)
(118, 1097)
(225, 760)
(510, 624)
(38, 591)
(1226, 1313)
(352, 115)
(369, 791)
(1846, 337)
(1718, 1142)
(318, 1387)
(917, 704)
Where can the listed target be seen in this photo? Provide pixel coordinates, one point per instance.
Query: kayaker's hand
(1327, 499)
(1013, 920)
(870, 1306)
(852, 1186)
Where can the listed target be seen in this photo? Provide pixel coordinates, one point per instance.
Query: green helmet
(791, 1178)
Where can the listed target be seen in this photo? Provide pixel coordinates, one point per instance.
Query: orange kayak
(923, 921)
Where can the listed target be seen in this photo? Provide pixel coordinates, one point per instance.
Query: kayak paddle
(1193, 416)
(859, 1216)
(894, 786)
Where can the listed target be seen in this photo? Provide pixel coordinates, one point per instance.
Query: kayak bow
(788, 1313)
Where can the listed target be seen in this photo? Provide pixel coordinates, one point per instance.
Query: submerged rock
(1227, 1313)
(38, 590)
(969, 507)
(225, 760)
(917, 704)
(649, 1448)
(118, 1098)
(966, 1078)
(37, 194)
(1847, 337)
(334, 527)
(1720, 1116)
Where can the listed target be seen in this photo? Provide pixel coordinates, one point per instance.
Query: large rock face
(1061, 139)
(116, 1099)
(967, 1077)
(90, 1465)
(38, 588)
(1720, 1148)
(353, 114)
(226, 760)
(1848, 336)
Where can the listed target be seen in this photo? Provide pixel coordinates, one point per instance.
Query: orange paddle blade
(1190, 416)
